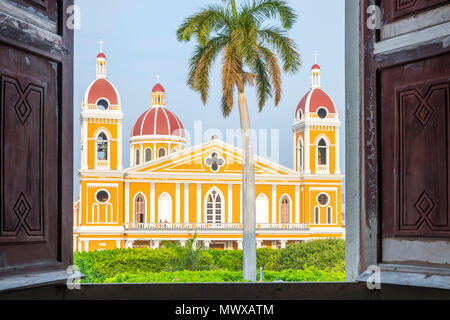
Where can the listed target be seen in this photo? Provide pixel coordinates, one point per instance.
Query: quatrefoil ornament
(215, 162)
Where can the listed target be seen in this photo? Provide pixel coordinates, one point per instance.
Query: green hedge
(321, 259)
(307, 275)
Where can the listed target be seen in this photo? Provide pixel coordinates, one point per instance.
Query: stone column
(283, 244)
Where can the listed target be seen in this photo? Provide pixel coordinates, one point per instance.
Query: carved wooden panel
(22, 107)
(415, 138)
(397, 9)
(28, 158)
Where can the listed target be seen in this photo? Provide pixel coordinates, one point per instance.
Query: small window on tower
(102, 105)
(102, 196)
(322, 113)
(323, 199)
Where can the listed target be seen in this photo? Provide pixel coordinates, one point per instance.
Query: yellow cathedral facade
(172, 192)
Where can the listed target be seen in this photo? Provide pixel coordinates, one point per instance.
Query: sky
(140, 44)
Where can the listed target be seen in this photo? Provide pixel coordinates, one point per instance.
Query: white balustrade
(212, 226)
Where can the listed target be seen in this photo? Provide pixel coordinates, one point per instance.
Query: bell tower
(316, 131)
(101, 123)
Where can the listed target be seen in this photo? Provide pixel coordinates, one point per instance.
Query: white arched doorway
(165, 208)
(262, 209)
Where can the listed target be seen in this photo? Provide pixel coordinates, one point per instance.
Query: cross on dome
(316, 54)
(101, 42)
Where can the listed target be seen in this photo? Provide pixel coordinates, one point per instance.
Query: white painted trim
(127, 202)
(274, 203)
(186, 203)
(297, 204)
(424, 251)
(199, 203)
(177, 203)
(429, 35)
(152, 203)
(230, 203)
(307, 164)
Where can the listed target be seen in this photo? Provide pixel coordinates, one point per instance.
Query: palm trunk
(248, 173)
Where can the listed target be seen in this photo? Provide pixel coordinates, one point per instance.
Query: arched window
(102, 147)
(148, 155)
(262, 209)
(161, 152)
(316, 215)
(165, 209)
(137, 157)
(322, 153)
(214, 207)
(285, 210)
(300, 155)
(139, 209)
(95, 217)
(174, 150)
(329, 215)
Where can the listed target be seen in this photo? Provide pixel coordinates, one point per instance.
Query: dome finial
(157, 78)
(315, 73)
(101, 62)
(101, 42)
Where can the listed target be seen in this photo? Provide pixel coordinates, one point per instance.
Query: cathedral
(172, 192)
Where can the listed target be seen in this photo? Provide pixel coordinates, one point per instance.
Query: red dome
(101, 55)
(315, 99)
(158, 88)
(316, 66)
(158, 121)
(102, 88)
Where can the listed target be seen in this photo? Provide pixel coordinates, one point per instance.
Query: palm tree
(249, 48)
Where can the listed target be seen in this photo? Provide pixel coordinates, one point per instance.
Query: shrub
(321, 259)
(218, 276)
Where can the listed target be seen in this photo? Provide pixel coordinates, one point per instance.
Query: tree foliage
(250, 47)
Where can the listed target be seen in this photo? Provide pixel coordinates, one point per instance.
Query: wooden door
(406, 126)
(36, 119)
(285, 210)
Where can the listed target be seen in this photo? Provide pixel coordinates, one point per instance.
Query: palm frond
(231, 77)
(274, 71)
(263, 10)
(201, 64)
(202, 24)
(284, 45)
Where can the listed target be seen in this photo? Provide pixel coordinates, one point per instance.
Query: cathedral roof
(158, 121)
(102, 88)
(315, 99)
(158, 88)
